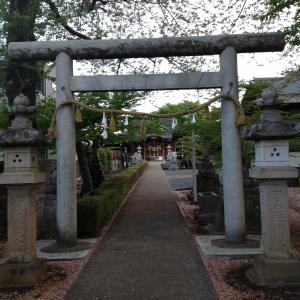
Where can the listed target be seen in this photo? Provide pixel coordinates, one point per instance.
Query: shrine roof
(288, 88)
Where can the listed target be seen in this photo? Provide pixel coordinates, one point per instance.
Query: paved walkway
(147, 254)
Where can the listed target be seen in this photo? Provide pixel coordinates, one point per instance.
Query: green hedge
(105, 157)
(94, 210)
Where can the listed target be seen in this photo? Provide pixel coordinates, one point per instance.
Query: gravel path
(179, 172)
(180, 179)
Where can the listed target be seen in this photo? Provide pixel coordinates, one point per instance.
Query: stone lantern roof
(271, 126)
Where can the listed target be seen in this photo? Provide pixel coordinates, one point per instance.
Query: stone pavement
(148, 252)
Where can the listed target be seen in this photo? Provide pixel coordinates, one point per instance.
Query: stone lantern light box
(22, 158)
(271, 153)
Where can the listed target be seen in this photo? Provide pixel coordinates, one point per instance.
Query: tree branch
(62, 21)
(93, 4)
(237, 18)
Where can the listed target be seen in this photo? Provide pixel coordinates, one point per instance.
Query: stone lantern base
(173, 165)
(21, 275)
(276, 267)
(275, 272)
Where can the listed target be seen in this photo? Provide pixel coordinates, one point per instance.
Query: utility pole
(194, 160)
(194, 168)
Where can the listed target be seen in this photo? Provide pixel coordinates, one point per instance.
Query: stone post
(169, 149)
(272, 170)
(22, 179)
(138, 154)
(66, 164)
(234, 210)
(195, 192)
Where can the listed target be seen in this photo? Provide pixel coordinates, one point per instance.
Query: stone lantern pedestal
(173, 162)
(276, 266)
(22, 178)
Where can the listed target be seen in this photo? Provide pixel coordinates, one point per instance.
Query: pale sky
(249, 66)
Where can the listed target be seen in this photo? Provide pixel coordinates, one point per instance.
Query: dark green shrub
(105, 157)
(91, 214)
(94, 210)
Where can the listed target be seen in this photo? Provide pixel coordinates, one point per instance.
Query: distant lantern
(139, 148)
(126, 120)
(193, 118)
(174, 123)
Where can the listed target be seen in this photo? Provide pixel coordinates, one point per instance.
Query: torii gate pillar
(66, 163)
(234, 210)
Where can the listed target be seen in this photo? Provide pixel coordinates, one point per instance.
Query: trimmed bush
(105, 158)
(94, 210)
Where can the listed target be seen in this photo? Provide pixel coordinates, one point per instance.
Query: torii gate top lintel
(150, 47)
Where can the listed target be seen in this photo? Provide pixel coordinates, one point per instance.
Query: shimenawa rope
(239, 119)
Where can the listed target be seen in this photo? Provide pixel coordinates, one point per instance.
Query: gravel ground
(179, 172)
(228, 276)
(180, 179)
(180, 183)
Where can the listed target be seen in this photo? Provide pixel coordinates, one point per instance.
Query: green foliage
(207, 131)
(19, 24)
(45, 110)
(253, 91)
(105, 158)
(90, 128)
(153, 126)
(43, 117)
(134, 126)
(275, 9)
(184, 125)
(248, 153)
(94, 210)
(4, 116)
(294, 145)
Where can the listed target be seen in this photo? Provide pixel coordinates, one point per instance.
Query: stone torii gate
(227, 46)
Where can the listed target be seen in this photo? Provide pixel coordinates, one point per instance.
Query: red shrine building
(156, 146)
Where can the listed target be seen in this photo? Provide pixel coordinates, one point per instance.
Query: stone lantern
(272, 170)
(139, 153)
(139, 149)
(169, 149)
(22, 178)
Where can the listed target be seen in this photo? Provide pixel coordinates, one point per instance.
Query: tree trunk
(21, 77)
(96, 170)
(84, 168)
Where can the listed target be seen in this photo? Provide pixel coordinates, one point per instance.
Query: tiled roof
(166, 128)
(282, 85)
